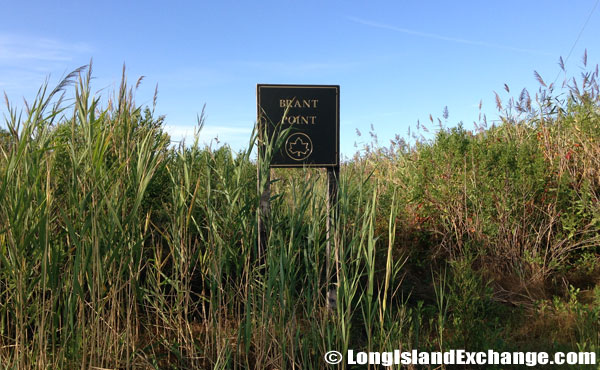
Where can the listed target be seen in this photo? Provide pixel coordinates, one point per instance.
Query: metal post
(331, 282)
(264, 208)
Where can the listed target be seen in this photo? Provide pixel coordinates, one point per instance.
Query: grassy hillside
(118, 250)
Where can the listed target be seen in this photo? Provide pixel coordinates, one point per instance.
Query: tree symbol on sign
(298, 147)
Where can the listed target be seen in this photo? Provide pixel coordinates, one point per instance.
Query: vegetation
(118, 250)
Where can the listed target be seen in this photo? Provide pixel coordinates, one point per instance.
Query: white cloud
(224, 134)
(26, 62)
(441, 37)
(19, 49)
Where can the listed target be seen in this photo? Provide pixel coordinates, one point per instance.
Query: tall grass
(120, 251)
(73, 229)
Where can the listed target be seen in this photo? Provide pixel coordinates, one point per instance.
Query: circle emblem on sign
(298, 146)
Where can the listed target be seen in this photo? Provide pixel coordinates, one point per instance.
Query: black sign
(313, 113)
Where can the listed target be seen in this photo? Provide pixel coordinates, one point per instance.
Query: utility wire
(578, 37)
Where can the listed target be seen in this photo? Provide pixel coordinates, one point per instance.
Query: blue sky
(396, 61)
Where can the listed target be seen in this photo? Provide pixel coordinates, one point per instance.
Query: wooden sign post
(310, 114)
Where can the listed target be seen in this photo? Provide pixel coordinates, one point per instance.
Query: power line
(578, 37)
